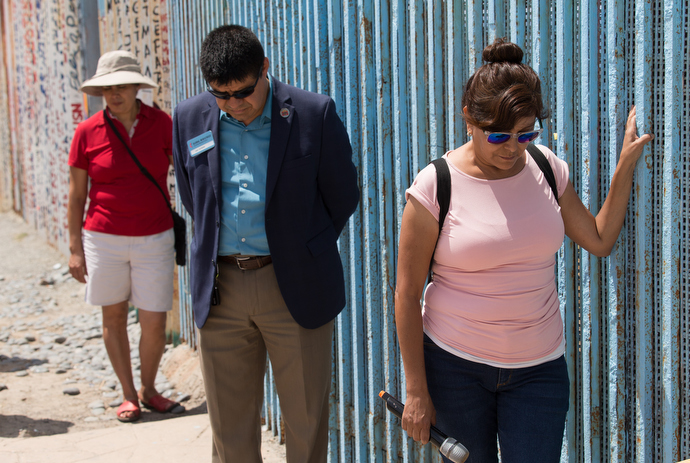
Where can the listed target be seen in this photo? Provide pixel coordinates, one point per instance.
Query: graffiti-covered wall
(5, 161)
(45, 57)
(140, 26)
(43, 68)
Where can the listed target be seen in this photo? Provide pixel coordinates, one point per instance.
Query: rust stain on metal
(366, 29)
(595, 421)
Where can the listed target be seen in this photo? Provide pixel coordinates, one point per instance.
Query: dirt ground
(35, 405)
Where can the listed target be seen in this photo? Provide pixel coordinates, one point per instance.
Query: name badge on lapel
(203, 142)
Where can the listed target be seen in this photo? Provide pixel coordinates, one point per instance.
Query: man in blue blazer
(265, 170)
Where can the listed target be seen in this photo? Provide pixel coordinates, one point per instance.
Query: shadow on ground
(23, 426)
(12, 364)
(148, 416)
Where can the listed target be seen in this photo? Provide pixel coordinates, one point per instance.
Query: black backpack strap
(545, 167)
(442, 196)
(442, 189)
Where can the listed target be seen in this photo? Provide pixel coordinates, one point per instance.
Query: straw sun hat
(118, 67)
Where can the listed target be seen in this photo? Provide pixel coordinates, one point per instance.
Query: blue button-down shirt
(244, 163)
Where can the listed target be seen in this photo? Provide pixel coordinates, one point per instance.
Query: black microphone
(449, 447)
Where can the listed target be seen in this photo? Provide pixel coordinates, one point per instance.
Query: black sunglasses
(237, 95)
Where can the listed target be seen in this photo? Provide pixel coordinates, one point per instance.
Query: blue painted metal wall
(395, 70)
(189, 22)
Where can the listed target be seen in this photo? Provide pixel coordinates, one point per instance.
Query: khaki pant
(251, 321)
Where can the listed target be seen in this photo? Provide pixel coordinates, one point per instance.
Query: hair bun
(502, 51)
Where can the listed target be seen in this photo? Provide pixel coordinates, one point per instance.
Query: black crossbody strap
(545, 167)
(443, 185)
(134, 158)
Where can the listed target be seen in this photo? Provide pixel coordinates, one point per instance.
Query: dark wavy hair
(503, 90)
(230, 53)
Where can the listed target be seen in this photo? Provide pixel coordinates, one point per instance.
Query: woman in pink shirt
(484, 357)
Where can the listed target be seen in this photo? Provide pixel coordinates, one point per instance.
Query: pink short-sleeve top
(493, 298)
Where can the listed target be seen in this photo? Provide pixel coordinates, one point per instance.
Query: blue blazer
(311, 191)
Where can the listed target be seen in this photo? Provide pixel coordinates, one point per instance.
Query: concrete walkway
(175, 440)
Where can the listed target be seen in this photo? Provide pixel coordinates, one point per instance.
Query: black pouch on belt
(180, 229)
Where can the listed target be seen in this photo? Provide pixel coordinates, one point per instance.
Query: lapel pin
(285, 112)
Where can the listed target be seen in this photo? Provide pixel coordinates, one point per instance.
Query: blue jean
(475, 403)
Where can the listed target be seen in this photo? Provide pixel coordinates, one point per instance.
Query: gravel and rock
(55, 375)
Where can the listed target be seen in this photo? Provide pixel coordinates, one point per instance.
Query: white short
(138, 269)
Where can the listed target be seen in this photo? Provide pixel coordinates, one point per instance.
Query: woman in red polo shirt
(123, 250)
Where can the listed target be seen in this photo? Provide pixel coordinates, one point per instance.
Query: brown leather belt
(246, 262)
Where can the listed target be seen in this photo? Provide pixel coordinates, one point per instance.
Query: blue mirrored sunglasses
(497, 138)
(242, 94)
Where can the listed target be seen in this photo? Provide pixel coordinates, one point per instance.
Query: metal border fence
(395, 70)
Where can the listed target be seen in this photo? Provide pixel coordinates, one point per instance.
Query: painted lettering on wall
(141, 26)
(44, 69)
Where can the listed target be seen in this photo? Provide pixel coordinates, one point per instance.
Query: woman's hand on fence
(418, 416)
(632, 144)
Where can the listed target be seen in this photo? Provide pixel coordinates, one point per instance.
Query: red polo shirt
(122, 200)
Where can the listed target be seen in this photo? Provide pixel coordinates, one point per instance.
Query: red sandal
(128, 406)
(161, 404)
